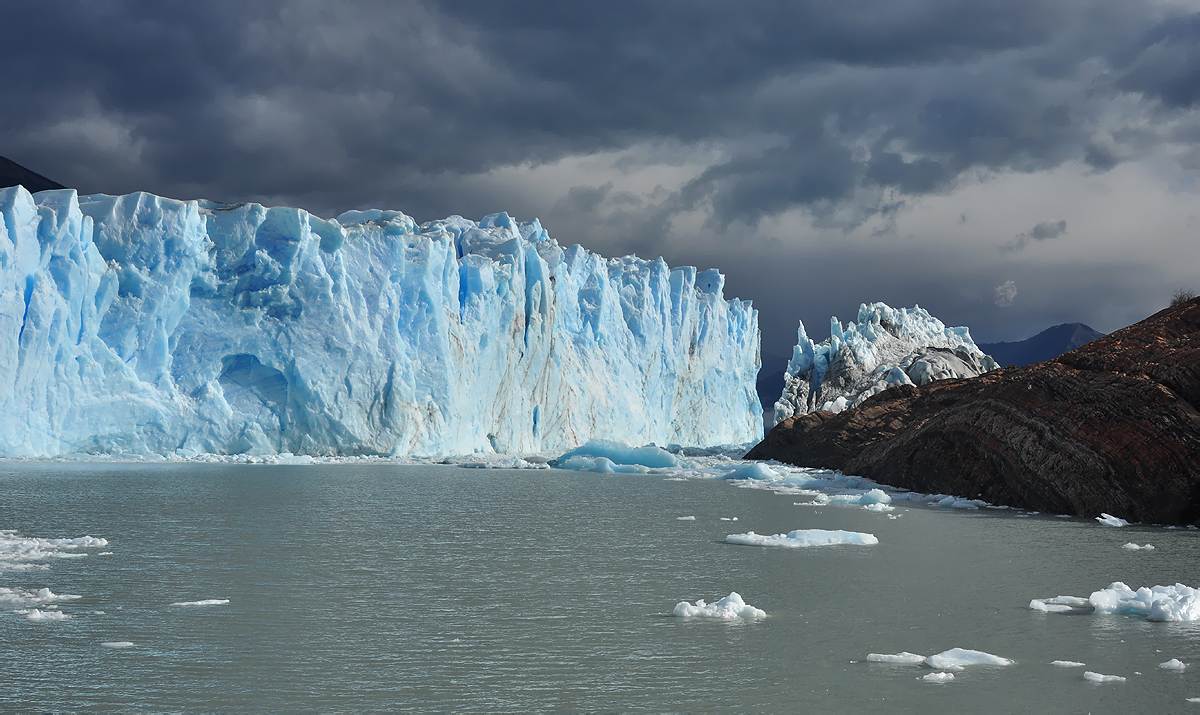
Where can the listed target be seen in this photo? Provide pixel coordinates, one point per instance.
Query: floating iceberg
(886, 347)
(1067, 663)
(204, 602)
(802, 538)
(1173, 664)
(1094, 677)
(958, 658)
(144, 325)
(1158, 603)
(1110, 520)
(117, 644)
(938, 677)
(730, 608)
(1134, 547)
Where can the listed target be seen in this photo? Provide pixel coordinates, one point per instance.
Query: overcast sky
(1007, 165)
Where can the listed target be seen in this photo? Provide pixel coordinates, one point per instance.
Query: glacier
(139, 324)
(884, 348)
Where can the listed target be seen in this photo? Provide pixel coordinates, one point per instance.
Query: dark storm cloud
(330, 104)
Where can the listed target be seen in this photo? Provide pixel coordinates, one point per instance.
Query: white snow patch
(730, 608)
(1173, 664)
(1110, 520)
(903, 657)
(1100, 678)
(801, 538)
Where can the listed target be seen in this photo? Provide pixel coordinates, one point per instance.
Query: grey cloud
(1044, 231)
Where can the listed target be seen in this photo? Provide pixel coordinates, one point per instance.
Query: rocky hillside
(1110, 427)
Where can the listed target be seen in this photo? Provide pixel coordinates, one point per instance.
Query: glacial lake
(440, 589)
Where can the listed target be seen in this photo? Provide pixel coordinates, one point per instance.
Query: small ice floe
(685, 518)
(1173, 664)
(205, 602)
(801, 538)
(957, 658)
(600, 455)
(21, 553)
(753, 470)
(728, 518)
(1110, 520)
(117, 644)
(39, 616)
(1059, 604)
(877, 507)
(1159, 603)
(732, 607)
(942, 677)
(873, 499)
(903, 657)
(1134, 547)
(960, 503)
(1067, 663)
(105, 553)
(1193, 700)
(894, 516)
(1094, 677)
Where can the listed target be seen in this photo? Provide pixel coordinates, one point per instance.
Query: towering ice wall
(141, 324)
(885, 347)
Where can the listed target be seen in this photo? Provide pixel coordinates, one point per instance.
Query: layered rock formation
(1110, 427)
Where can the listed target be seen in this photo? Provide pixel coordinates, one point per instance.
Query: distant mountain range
(1046, 345)
(12, 174)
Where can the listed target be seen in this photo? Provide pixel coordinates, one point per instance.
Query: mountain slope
(13, 174)
(1046, 345)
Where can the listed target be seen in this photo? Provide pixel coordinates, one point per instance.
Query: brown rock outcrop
(1110, 427)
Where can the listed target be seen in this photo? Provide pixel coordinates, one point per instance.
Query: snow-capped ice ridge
(143, 325)
(886, 347)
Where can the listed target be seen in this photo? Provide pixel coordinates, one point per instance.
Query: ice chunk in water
(619, 454)
(1173, 664)
(1134, 547)
(1159, 603)
(938, 677)
(902, 657)
(117, 644)
(1110, 520)
(205, 602)
(729, 608)
(1067, 663)
(1100, 678)
(956, 658)
(1059, 604)
(801, 538)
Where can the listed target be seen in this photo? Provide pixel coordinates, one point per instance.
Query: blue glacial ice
(143, 325)
(884, 348)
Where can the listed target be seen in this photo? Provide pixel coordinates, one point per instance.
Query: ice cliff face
(885, 347)
(146, 325)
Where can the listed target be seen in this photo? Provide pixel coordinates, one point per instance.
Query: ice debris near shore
(732, 607)
(884, 348)
(143, 325)
(1110, 520)
(1157, 603)
(803, 538)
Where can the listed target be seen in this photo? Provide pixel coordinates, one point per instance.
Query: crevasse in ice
(140, 324)
(885, 347)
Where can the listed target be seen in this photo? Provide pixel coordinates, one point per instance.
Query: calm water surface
(435, 588)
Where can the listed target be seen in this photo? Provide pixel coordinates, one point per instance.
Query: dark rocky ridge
(13, 174)
(1109, 427)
